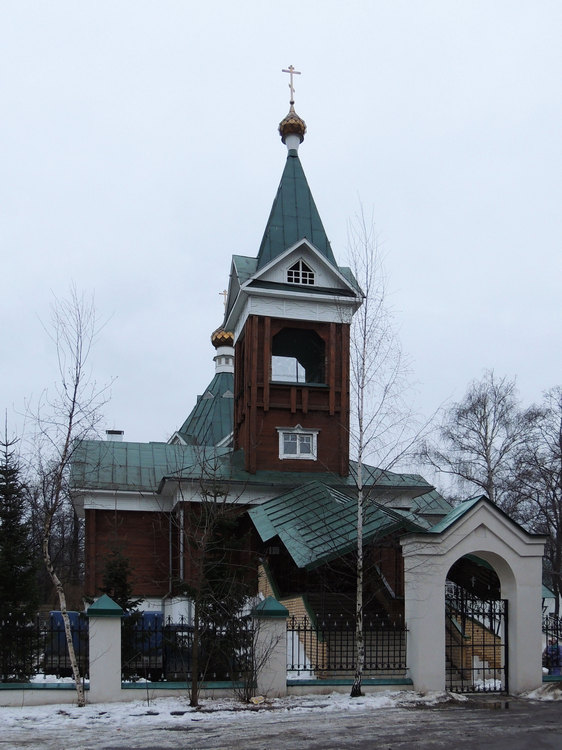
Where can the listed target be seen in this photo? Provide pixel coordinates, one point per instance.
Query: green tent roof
(317, 523)
(212, 417)
(293, 217)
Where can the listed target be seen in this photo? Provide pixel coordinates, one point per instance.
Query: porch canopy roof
(318, 523)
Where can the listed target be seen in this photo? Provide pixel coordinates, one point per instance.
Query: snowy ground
(228, 723)
(172, 710)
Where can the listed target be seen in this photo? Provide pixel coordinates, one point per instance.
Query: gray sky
(138, 152)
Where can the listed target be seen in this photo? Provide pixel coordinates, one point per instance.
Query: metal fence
(327, 647)
(552, 653)
(38, 647)
(155, 648)
(476, 644)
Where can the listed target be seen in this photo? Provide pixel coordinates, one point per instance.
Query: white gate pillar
(105, 650)
(424, 613)
(270, 647)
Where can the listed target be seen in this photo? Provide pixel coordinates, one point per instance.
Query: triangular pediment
(481, 525)
(325, 275)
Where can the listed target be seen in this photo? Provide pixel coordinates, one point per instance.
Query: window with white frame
(297, 443)
(300, 273)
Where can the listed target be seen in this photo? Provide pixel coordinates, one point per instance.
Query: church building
(269, 436)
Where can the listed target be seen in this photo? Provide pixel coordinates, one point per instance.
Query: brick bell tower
(290, 311)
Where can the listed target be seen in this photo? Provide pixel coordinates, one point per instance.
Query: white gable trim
(305, 247)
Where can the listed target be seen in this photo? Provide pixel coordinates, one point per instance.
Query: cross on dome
(292, 72)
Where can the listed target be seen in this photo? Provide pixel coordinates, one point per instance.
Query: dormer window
(300, 273)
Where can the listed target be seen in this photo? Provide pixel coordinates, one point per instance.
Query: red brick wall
(140, 536)
(261, 406)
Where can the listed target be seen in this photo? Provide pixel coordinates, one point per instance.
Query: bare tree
(214, 570)
(480, 437)
(62, 420)
(383, 428)
(537, 484)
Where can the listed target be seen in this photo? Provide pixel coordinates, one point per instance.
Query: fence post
(105, 650)
(270, 623)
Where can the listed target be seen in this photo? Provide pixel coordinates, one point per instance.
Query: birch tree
(382, 426)
(537, 482)
(62, 419)
(480, 437)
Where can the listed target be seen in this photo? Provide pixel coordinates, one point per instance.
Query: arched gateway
(476, 531)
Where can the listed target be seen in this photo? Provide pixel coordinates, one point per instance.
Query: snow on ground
(166, 711)
(169, 710)
(550, 691)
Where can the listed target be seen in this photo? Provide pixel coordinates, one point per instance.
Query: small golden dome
(292, 124)
(222, 338)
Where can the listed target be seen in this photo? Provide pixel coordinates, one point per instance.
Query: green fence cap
(270, 607)
(104, 607)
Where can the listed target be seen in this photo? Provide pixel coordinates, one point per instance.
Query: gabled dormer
(299, 283)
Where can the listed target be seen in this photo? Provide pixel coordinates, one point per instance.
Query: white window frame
(299, 276)
(299, 432)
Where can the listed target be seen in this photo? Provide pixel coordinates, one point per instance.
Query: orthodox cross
(292, 72)
(224, 296)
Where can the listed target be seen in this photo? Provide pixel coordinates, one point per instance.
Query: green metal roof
(293, 217)
(212, 418)
(140, 467)
(431, 504)
(454, 515)
(547, 593)
(245, 267)
(106, 465)
(317, 523)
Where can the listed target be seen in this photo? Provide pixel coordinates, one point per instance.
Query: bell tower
(290, 311)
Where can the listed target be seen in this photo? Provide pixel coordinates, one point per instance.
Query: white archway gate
(476, 527)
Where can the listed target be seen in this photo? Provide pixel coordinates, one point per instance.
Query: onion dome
(222, 338)
(292, 124)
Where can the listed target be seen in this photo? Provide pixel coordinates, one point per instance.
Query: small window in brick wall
(297, 443)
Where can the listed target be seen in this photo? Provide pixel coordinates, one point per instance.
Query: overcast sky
(139, 151)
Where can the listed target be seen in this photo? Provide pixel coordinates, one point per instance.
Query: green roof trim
(293, 217)
(104, 607)
(454, 515)
(317, 523)
(270, 607)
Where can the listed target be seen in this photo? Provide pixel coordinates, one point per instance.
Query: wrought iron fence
(155, 648)
(552, 653)
(56, 660)
(39, 647)
(327, 647)
(20, 641)
(475, 643)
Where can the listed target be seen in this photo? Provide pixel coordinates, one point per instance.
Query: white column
(424, 612)
(270, 648)
(105, 651)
